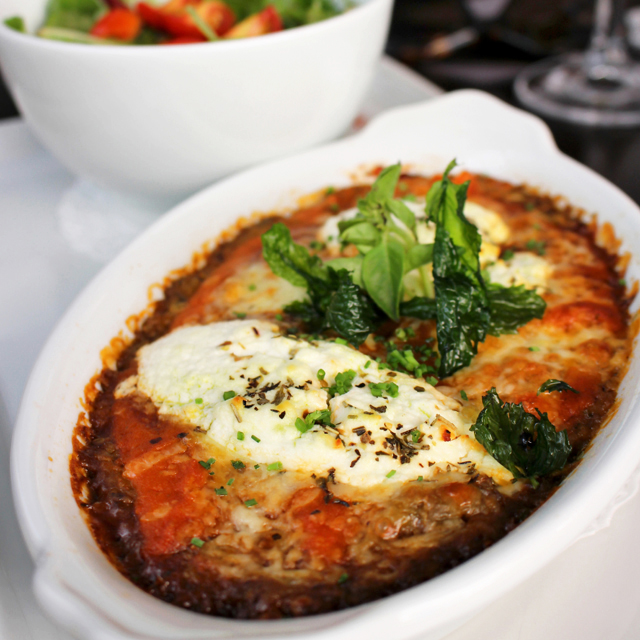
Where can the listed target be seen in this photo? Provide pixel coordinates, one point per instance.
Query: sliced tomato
(174, 19)
(259, 24)
(217, 15)
(118, 24)
(151, 15)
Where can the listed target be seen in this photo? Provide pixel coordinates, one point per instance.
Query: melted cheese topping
(372, 440)
(524, 268)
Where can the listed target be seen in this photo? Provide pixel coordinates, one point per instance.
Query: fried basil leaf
(512, 307)
(350, 312)
(555, 385)
(419, 307)
(528, 445)
(335, 301)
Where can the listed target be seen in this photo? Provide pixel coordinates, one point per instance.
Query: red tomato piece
(267, 21)
(118, 24)
(150, 15)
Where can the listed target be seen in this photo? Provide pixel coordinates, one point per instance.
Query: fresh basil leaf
(555, 385)
(76, 15)
(16, 23)
(403, 213)
(289, 260)
(418, 256)
(512, 307)
(419, 307)
(382, 273)
(363, 234)
(384, 187)
(528, 445)
(350, 312)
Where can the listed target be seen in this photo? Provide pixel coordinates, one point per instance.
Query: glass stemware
(599, 87)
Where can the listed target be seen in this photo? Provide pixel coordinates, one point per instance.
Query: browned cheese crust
(318, 545)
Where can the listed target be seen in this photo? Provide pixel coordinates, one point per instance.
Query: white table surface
(56, 232)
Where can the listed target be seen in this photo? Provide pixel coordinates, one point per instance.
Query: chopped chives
(534, 348)
(196, 542)
(199, 401)
(343, 578)
(274, 466)
(255, 438)
(240, 314)
(321, 374)
(237, 464)
(341, 341)
(240, 435)
(391, 473)
(229, 482)
(420, 478)
(252, 502)
(463, 394)
(221, 491)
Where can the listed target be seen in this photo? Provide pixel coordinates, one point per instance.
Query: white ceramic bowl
(169, 120)
(78, 586)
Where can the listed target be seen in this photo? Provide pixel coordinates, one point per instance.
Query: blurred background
(485, 43)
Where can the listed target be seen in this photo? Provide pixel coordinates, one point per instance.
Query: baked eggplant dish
(347, 400)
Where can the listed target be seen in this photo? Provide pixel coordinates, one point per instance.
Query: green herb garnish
(335, 301)
(255, 438)
(252, 502)
(198, 400)
(555, 385)
(274, 466)
(237, 464)
(227, 395)
(343, 383)
(463, 395)
(528, 445)
(240, 435)
(378, 389)
(207, 464)
(222, 492)
(391, 473)
(315, 417)
(197, 542)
